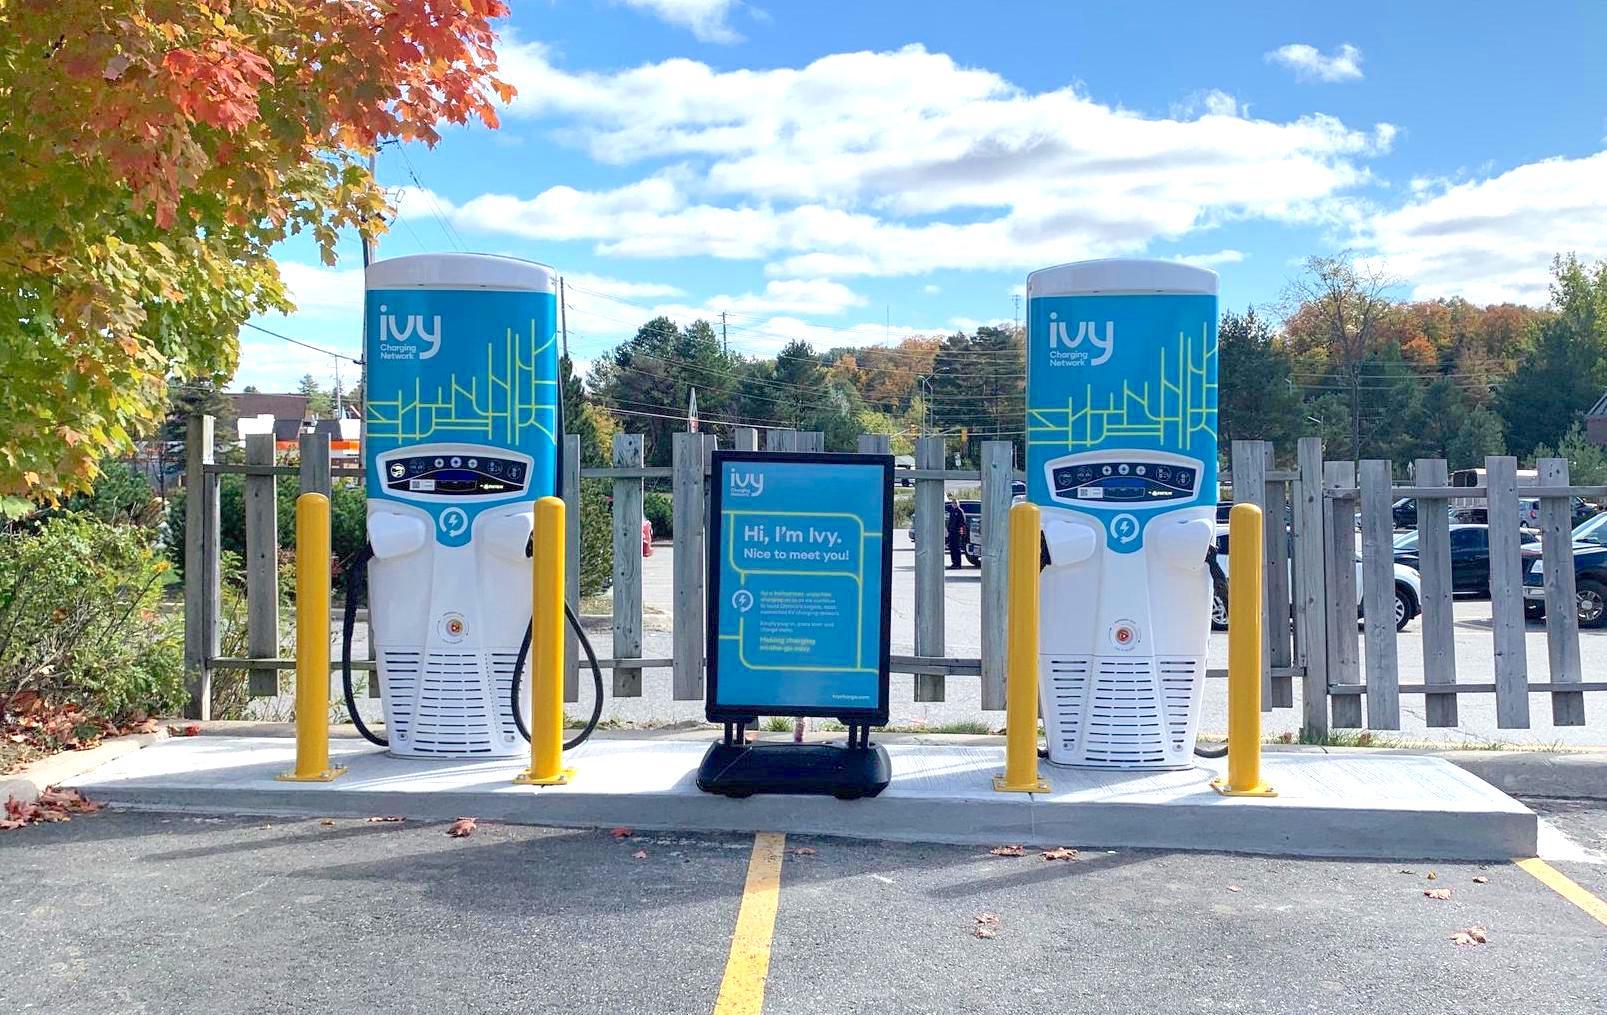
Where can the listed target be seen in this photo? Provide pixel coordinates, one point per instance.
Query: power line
(304, 345)
(440, 214)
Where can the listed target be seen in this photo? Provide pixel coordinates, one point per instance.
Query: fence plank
(811, 441)
(875, 444)
(569, 490)
(1434, 563)
(1339, 492)
(1249, 461)
(688, 579)
(1311, 587)
(627, 566)
(1562, 614)
(1506, 594)
(1279, 624)
(745, 438)
(781, 440)
(930, 533)
(200, 566)
(1378, 596)
(998, 470)
(262, 565)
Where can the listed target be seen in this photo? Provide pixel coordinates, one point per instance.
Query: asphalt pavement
(130, 912)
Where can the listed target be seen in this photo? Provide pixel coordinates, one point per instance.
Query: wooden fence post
(1339, 483)
(930, 534)
(688, 579)
(998, 471)
(1279, 624)
(1311, 587)
(745, 438)
(1562, 614)
(201, 571)
(262, 565)
(570, 492)
(1378, 596)
(1506, 593)
(813, 441)
(627, 566)
(1249, 461)
(1434, 566)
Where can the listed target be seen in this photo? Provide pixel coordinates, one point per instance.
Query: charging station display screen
(799, 582)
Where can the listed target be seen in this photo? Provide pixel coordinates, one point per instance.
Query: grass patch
(777, 724)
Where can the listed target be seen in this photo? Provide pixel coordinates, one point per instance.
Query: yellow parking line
(742, 990)
(1566, 887)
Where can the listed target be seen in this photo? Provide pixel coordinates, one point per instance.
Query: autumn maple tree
(153, 153)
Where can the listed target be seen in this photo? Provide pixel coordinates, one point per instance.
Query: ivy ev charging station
(1121, 460)
(461, 417)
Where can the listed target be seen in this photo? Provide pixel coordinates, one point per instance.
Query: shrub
(596, 538)
(82, 619)
(660, 511)
(348, 510)
(122, 494)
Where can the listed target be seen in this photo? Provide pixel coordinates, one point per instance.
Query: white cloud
(821, 169)
(1309, 64)
(1492, 240)
(706, 19)
(931, 290)
(316, 289)
(1213, 259)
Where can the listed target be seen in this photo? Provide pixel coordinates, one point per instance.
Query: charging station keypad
(455, 475)
(1125, 481)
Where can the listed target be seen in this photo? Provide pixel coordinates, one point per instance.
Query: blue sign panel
(459, 377)
(1130, 372)
(800, 566)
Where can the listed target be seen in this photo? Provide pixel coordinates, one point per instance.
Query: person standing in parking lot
(956, 530)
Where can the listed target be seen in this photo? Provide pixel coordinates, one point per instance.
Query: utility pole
(563, 316)
(725, 343)
(373, 173)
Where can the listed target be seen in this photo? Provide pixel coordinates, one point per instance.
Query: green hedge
(660, 510)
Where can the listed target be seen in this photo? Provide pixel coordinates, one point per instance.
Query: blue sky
(852, 172)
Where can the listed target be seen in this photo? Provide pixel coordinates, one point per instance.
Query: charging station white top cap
(1121, 275)
(461, 271)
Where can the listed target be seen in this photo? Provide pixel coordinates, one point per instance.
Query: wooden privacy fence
(627, 472)
(1310, 629)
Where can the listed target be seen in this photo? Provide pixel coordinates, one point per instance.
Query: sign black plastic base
(847, 773)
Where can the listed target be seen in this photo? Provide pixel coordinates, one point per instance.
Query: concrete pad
(1340, 806)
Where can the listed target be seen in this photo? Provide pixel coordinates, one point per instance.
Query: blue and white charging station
(1121, 459)
(461, 416)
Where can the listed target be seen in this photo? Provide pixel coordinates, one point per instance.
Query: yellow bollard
(547, 648)
(1244, 655)
(312, 641)
(1021, 686)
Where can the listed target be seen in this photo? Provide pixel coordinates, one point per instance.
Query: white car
(1408, 589)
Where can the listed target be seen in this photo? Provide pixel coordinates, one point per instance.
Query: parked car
(1529, 512)
(1590, 574)
(972, 509)
(1470, 556)
(1405, 513)
(1408, 589)
(901, 465)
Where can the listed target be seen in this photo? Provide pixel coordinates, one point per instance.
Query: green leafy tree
(1256, 395)
(1587, 460)
(320, 404)
(1563, 374)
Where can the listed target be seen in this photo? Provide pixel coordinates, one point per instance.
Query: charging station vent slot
(1124, 722)
(1180, 677)
(1068, 688)
(452, 717)
(502, 679)
(400, 688)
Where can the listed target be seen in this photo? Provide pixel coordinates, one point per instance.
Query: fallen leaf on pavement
(621, 833)
(1234, 888)
(1062, 853)
(1471, 936)
(986, 926)
(1439, 894)
(640, 854)
(328, 822)
(803, 851)
(380, 819)
(53, 805)
(1481, 880)
(461, 828)
(1433, 876)
(1008, 851)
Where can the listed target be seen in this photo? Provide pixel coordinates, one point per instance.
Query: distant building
(1596, 422)
(287, 417)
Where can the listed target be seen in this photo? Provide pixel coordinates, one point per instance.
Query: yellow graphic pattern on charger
(509, 393)
(1181, 402)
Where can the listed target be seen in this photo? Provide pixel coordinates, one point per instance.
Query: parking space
(274, 915)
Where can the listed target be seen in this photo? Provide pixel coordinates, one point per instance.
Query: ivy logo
(747, 484)
(389, 331)
(1060, 338)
